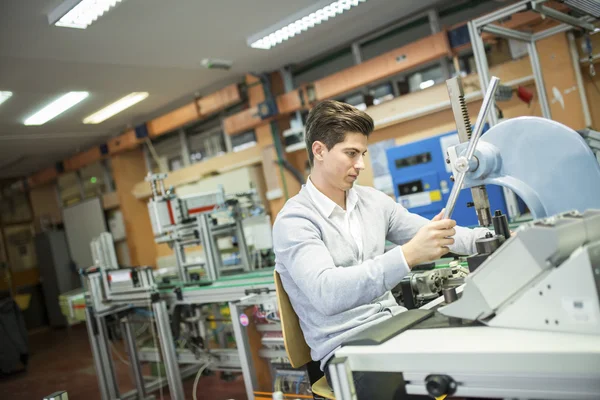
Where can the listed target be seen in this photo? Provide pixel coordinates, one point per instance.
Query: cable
(118, 354)
(200, 371)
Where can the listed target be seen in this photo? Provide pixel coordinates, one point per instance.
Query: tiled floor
(62, 360)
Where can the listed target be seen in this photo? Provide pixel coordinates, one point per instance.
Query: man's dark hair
(330, 120)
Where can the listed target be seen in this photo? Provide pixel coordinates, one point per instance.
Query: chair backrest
(295, 346)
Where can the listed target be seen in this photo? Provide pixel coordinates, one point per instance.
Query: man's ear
(318, 149)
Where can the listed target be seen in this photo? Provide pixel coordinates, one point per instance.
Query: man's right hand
(431, 241)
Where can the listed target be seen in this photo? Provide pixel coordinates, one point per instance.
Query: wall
(128, 169)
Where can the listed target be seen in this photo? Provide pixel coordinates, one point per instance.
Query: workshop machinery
(193, 220)
(422, 180)
(526, 323)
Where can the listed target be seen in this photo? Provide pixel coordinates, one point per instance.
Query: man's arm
(298, 246)
(404, 225)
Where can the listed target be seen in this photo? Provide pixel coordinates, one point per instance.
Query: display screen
(410, 188)
(417, 159)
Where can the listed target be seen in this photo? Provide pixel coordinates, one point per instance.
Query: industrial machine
(526, 323)
(184, 320)
(191, 221)
(422, 180)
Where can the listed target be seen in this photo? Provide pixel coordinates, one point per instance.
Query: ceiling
(144, 45)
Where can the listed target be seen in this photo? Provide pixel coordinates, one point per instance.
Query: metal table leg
(93, 331)
(107, 362)
(167, 346)
(241, 341)
(134, 360)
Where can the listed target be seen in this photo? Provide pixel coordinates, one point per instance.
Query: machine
(526, 323)
(183, 318)
(193, 220)
(422, 180)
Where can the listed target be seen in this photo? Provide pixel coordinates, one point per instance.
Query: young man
(329, 239)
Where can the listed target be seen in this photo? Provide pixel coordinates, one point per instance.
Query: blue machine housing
(421, 180)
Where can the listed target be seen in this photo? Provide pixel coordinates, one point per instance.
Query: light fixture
(426, 84)
(115, 107)
(5, 96)
(79, 14)
(300, 22)
(55, 108)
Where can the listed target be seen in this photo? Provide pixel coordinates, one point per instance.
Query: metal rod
(134, 360)
(209, 267)
(92, 329)
(577, 67)
(180, 261)
(107, 363)
(167, 346)
(242, 245)
(539, 80)
(488, 102)
(508, 33)
(481, 64)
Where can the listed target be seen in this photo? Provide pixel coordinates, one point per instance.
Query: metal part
(562, 17)
(459, 178)
(134, 360)
(450, 295)
(168, 350)
(463, 126)
(92, 329)
(507, 33)
(489, 244)
(106, 359)
(506, 158)
(241, 340)
(540, 87)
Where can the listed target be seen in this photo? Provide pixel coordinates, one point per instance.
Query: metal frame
(484, 24)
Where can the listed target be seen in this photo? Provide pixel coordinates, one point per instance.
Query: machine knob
(439, 385)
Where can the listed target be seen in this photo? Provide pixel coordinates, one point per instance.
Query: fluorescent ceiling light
(300, 22)
(426, 84)
(80, 14)
(5, 96)
(115, 107)
(55, 108)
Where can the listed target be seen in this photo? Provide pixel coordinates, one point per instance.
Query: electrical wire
(118, 354)
(200, 371)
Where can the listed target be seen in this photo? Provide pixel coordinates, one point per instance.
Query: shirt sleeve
(298, 246)
(404, 225)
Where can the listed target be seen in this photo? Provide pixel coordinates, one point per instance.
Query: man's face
(342, 164)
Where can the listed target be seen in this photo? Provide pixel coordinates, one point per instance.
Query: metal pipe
(210, 266)
(134, 360)
(167, 347)
(508, 33)
(502, 13)
(539, 80)
(92, 329)
(107, 363)
(488, 102)
(481, 64)
(577, 67)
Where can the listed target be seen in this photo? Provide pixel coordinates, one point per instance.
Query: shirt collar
(327, 206)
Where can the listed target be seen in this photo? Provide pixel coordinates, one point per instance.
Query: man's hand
(431, 241)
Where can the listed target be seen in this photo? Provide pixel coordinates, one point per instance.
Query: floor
(62, 360)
